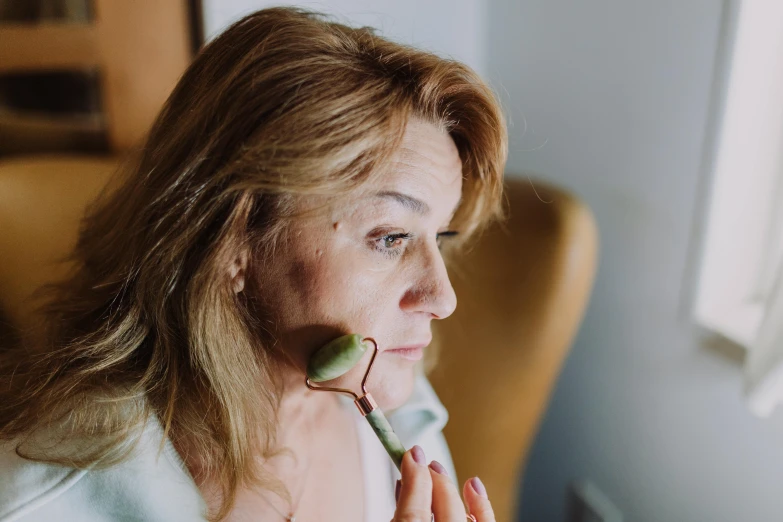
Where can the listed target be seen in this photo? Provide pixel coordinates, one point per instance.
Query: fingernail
(478, 487)
(437, 467)
(418, 455)
(397, 491)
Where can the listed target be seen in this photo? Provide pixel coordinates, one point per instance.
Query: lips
(411, 352)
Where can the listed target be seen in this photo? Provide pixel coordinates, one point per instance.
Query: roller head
(336, 358)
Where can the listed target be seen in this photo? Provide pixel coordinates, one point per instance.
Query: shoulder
(27, 485)
(142, 487)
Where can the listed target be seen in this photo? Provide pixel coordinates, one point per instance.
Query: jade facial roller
(335, 359)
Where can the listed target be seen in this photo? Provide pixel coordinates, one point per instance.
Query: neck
(302, 412)
(301, 415)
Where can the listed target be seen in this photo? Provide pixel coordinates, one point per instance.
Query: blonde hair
(283, 103)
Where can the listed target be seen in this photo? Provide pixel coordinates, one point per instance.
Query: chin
(392, 385)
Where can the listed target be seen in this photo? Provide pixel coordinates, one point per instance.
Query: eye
(440, 236)
(391, 245)
(394, 240)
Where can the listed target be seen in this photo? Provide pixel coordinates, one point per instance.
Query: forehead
(427, 167)
(427, 162)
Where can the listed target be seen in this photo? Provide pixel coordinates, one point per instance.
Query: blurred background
(664, 117)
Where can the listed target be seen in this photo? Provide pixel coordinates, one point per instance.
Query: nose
(431, 291)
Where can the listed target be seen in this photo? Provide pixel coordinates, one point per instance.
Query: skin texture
(343, 271)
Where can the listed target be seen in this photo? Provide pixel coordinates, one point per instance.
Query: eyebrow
(416, 205)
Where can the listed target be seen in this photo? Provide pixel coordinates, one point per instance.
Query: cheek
(323, 295)
(335, 292)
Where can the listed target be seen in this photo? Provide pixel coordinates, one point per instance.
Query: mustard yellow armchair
(42, 199)
(522, 292)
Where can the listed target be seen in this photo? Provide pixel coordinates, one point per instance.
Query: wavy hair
(284, 103)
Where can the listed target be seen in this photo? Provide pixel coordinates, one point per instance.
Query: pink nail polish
(418, 455)
(478, 487)
(437, 467)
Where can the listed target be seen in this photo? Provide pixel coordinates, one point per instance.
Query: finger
(415, 502)
(446, 503)
(477, 500)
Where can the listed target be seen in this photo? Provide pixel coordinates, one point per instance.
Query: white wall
(611, 98)
(453, 28)
(618, 94)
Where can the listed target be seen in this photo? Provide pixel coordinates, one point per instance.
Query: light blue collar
(421, 416)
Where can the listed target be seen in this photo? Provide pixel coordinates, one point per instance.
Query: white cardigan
(156, 487)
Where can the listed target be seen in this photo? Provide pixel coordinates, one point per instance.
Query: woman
(298, 185)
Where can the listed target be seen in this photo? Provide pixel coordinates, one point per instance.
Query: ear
(237, 271)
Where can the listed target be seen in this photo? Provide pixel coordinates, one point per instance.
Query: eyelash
(381, 243)
(446, 233)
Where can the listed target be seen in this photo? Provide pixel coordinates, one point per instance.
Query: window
(740, 289)
(744, 234)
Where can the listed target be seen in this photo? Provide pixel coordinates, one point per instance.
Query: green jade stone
(386, 435)
(336, 358)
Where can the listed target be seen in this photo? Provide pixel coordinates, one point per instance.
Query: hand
(425, 491)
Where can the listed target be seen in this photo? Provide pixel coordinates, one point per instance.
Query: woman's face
(370, 263)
